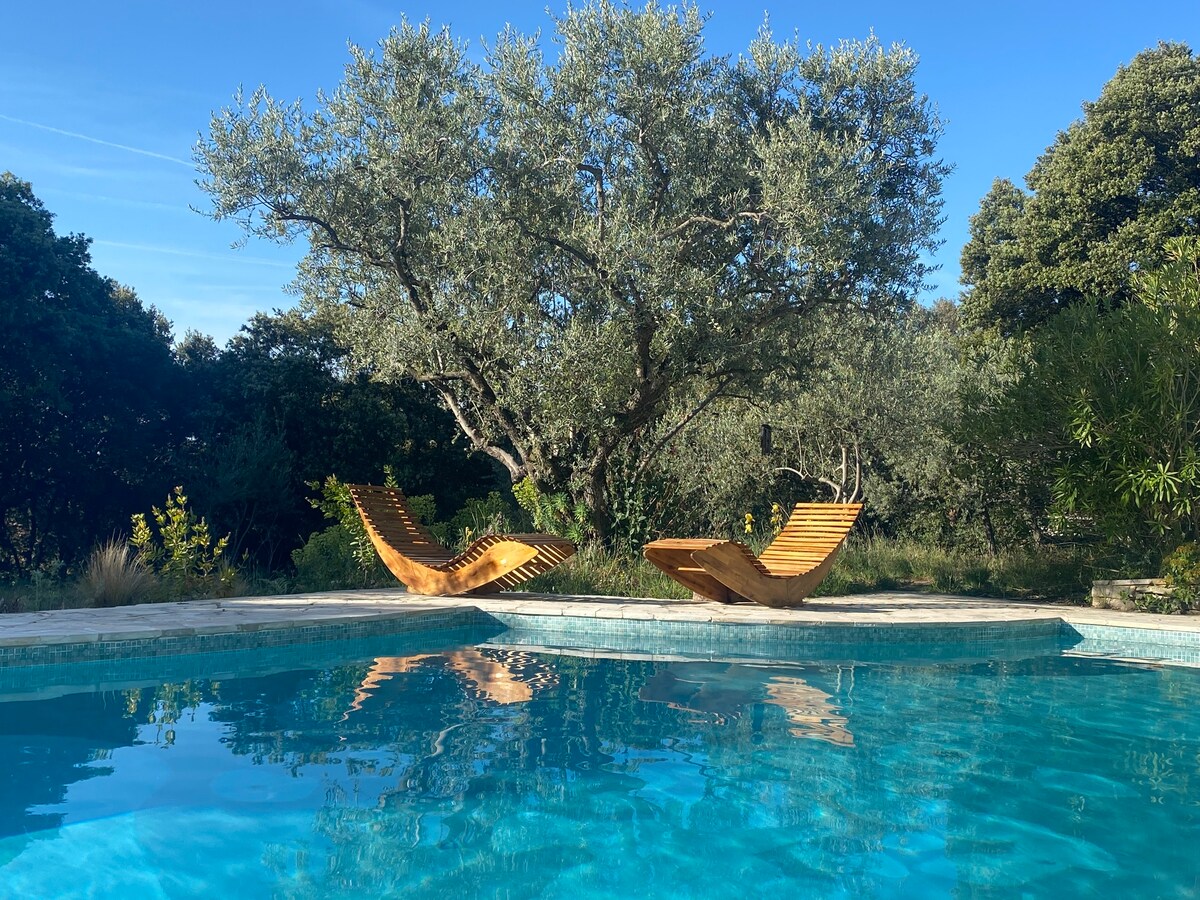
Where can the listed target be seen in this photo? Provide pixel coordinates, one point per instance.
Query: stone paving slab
(296, 610)
(66, 626)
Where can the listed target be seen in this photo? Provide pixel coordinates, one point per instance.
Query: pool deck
(248, 614)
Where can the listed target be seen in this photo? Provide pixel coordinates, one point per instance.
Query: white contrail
(84, 137)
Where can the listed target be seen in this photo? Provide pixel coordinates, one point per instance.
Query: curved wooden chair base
(674, 556)
(481, 569)
(734, 566)
(549, 551)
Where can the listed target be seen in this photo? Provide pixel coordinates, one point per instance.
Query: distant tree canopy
(87, 392)
(1102, 199)
(281, 407)
(101, 418)
(565, 249)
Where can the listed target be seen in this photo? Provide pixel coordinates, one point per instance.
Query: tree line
(104, 414)
(599, 276)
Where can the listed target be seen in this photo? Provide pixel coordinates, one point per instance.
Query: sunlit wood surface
(494, 562)
(787, 571)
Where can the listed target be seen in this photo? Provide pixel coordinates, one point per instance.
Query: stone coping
(248, 614)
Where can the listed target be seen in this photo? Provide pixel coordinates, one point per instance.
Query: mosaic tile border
(1129, 642)
(806, 641)
(654, 633)
(38, 682)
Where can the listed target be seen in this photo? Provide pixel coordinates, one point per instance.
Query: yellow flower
(749, 523)
(776, 518)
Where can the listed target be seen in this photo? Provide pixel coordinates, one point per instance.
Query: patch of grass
(594, 571)
(115, 576)
(40, 593)
(877, 564)
(866, 565)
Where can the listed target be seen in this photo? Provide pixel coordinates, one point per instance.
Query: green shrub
(1181, 572)
(328, 562)
(554, 513)
(494, 514)
(335, 503)
(1164, 604)
(181, 551)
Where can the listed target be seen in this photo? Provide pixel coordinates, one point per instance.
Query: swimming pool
(481, 763)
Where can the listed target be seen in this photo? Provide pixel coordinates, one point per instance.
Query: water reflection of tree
(165, 705)
(484, 791)
(443, 775)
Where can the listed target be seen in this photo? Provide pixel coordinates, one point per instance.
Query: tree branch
(752, 215)
(678, 427)
(583, 256)
(516, 470)
(335, 241)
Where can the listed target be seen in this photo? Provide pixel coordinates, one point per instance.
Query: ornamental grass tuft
(116, 576)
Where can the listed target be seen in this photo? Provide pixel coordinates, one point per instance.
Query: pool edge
(248, 623)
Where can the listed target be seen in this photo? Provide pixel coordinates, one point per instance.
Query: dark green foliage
(281, 407)
(1102, 199)
(1122, 385)
(88, 393)
(1094, 428)
(1181, 571)
(101, 419)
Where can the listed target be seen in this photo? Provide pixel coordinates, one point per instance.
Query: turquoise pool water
(392, 768)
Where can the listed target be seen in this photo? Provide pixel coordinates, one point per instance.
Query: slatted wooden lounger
(788, 570)
(494, 562)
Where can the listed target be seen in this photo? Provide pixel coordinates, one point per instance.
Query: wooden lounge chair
(494, 562)
(788, 570)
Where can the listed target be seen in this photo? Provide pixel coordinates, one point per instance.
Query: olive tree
(870, 421)
(564, 247)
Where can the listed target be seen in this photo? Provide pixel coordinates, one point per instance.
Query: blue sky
(101, 103)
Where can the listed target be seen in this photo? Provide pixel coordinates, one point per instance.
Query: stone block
(1122, 593)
